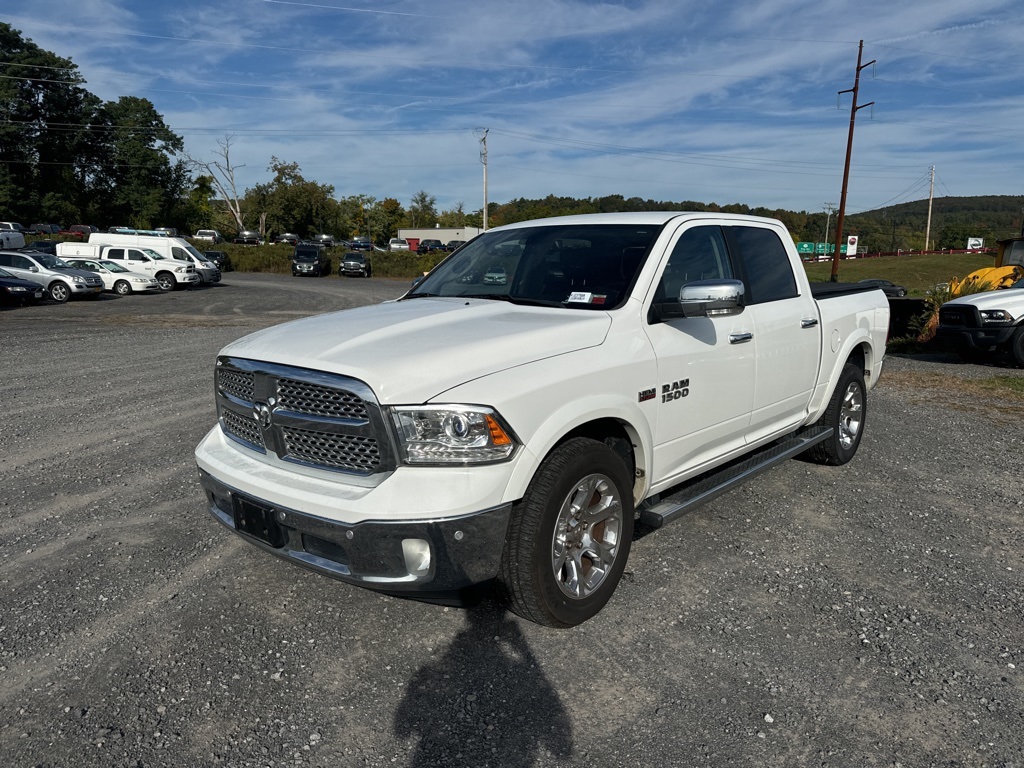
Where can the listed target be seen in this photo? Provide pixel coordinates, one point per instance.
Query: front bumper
(978, 339)
(424, 558)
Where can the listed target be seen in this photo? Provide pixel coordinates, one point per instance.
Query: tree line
(67, 157)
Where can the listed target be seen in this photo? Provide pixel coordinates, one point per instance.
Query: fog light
(417, 555)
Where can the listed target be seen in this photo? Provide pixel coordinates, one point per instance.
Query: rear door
(787, 337)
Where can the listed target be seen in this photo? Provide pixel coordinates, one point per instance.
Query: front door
(706, 365)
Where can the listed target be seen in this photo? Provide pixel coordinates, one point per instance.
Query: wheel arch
(631, 443)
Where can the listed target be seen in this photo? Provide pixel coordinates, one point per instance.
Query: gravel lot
(860, 616)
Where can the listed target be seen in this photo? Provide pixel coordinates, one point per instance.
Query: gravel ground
(869, 615)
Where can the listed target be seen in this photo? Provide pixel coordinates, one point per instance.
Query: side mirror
(703, 298)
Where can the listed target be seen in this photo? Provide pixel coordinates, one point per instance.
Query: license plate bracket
(259, 521)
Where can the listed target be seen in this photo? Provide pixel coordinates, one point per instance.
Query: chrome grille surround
(316, 419)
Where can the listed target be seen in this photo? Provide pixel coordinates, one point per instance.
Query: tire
(846, 413)
(1017, 346)
(59, 292)
(122, 288)
(553, 570)
(166, 280)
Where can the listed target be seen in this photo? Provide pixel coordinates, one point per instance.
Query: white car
(210, 235)
(116, 278)
(398, 244)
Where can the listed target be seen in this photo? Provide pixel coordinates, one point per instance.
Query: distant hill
(895, 227)
(954, 219)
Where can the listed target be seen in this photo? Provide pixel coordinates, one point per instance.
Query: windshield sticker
(585, 297)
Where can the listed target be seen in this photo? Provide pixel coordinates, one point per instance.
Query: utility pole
(928, 226)
(483, 159)
(830, 208)
(849, 151)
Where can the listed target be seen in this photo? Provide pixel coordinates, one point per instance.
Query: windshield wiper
(420, 296)
(518, 300)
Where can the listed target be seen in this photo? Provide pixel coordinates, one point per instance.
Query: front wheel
(846, 413)
(1017, 346)
(59, 292)
(122, 288)
(166, 280)
(570, 535)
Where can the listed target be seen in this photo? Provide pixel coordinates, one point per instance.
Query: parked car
(42, 246)
(210, 235)
(42, 229)
(495, 276)
(288, 237)
(398, 244)
(116, 278)
(169, 231)
(62, 281)
(888, 288)
(356, 263)
(360, 243)
(15, 227)
(451, 245)
(221, 259)
(310, 259)
(15, 290)
(427, 246)
(327, 241)
(248, 237)
(209, 273)
(77, 230)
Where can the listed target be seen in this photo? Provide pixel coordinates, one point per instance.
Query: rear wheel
(846, 413)
(569, 537)
(122, 288)
(59, 291)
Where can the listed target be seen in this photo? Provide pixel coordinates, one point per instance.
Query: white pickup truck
(983, 326)
(543, 389)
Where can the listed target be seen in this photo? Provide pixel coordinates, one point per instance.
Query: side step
(710, 485)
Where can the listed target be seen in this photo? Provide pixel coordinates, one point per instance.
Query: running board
(713, 484)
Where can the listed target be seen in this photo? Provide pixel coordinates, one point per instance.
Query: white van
(170, 273)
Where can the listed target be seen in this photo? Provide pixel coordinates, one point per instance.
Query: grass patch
(918, 273)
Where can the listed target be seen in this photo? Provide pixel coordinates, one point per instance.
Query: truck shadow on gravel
(484, 701)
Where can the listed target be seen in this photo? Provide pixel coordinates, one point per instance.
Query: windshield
(192, 249)
(5, 273)
(50, 262)
(153, 254)
(306, 255)
(113, 266)
(582, 266)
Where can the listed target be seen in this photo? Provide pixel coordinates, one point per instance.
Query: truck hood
(411, 351)
(1010, 299)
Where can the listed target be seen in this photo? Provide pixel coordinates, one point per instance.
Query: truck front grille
(309, 417)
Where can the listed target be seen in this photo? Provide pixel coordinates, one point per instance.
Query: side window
(766, 264)
(6, 260)
(22, 262)
(180, 253)
(699, 254)
(115, 253)
(134, 255)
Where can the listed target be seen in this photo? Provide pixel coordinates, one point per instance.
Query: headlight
(996, 316)
(17, 289)
(77, 279)
(181, 269)
(452, 434)
(142, 280)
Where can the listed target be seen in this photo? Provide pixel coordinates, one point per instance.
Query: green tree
(44, 132)
(422, 210)
(144, 184)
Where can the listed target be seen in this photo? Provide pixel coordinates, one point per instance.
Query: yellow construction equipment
(1008, 268)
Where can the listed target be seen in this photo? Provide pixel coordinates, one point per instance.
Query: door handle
(808, 322)
(740, 338)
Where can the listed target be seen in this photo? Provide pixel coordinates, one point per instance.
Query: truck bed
(829, 290)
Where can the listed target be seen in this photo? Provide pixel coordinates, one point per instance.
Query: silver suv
(60, 279)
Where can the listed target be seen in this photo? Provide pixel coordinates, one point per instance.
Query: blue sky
(664, 99)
